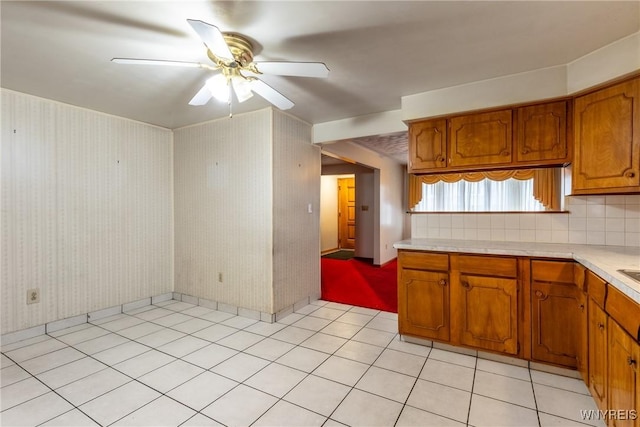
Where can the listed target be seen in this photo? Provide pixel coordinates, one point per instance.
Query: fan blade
(271, 95)
(212, 38)
(202, 97)
(158, 62)
(301, 69)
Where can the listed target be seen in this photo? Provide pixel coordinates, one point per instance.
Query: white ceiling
(377, 51)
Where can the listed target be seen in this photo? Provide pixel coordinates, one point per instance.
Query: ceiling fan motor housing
(240, 47)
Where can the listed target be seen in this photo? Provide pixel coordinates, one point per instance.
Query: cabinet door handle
(540, 294)
(525, 151)
(581, 307)
(630, 174)
(443, 282)
(505, 153)
(601, 326)
(631, 361)
(464, 284)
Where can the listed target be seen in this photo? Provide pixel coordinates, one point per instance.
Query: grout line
(269, 361)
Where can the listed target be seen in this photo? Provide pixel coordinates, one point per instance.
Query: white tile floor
(328, 364)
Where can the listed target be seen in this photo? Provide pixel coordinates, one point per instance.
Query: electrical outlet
(33, 296)
(220, 277)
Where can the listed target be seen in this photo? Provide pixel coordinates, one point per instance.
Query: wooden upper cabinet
(607, 140)
(480, 139)
(525, 136)
(541, 133)
(427, 145)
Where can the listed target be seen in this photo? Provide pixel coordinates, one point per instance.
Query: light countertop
(605, 261)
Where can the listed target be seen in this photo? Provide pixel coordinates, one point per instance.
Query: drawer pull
(630, 174)
(443, 282)
(631, 361)
(601, 326)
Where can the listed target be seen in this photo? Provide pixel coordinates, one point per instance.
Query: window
(482, 196)
(512, 190)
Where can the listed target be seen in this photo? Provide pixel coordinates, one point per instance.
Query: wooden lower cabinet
(423, 300)
(423, 295)
(488, 311)
(572, 318)
(598, 343)
(624, 376)
(558, 314)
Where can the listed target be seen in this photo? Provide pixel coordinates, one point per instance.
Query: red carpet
(360, 283)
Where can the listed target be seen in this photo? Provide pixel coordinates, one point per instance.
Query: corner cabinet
(607, 140)
(558, 314)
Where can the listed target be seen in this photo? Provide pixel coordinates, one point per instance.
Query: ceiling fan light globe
(242, 88)
(219, 87)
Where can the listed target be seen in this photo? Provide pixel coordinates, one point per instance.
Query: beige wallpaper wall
(296, 212)
(223, 210)
(86, 210)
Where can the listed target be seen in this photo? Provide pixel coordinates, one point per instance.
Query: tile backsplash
(592, 220)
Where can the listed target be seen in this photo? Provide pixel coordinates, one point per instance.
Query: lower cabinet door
(598, 354)
(558, 315)
(624, 377)
(423, 304)
(489, 313)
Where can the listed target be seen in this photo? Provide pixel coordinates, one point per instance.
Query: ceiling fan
(232, 58)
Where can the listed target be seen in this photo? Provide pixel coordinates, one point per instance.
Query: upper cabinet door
(541, 134)
(481, 139)
(607, 140)
(427, 145)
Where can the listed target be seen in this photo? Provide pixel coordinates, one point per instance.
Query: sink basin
(634, 274)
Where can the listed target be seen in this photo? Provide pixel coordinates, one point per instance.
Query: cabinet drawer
(424, 261)
(553, 271)
(625, 311)
(488, 265)
(596, 288)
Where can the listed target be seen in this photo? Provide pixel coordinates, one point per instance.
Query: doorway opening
(338, 222)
